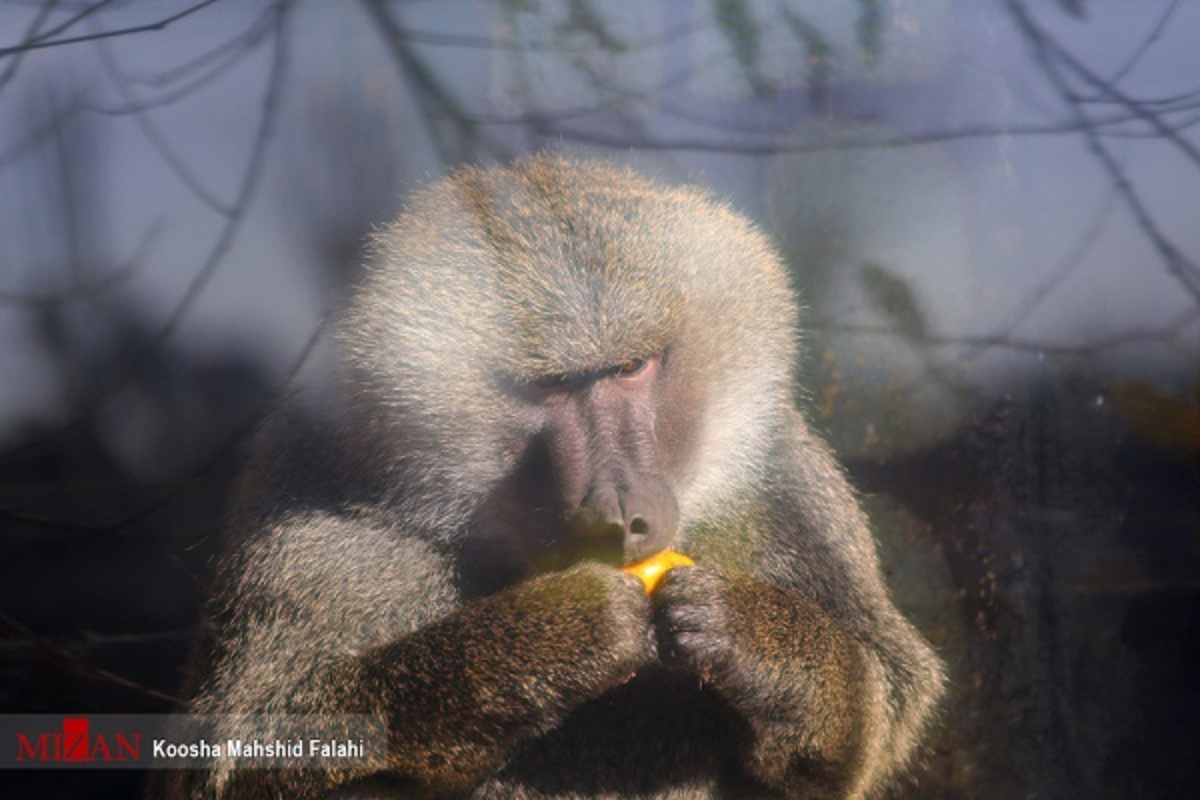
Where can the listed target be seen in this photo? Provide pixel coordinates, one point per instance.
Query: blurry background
(992, 211)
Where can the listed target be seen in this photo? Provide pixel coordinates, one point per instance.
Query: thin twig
(41, 42)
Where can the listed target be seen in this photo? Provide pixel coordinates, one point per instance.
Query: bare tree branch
(1146, 44)
(1038, 295)
(157, 140)
(234, 217)
(44, 12)
(1043, 48)
(434, 97)
(1164, 334)
(203, 70)
(44, 40)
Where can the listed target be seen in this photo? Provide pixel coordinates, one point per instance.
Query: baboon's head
(555, 360)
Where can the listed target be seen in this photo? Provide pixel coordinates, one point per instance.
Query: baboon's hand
(692, 623)
(742, 634)
(776, 657)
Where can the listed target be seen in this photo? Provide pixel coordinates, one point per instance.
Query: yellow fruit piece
(652, 570)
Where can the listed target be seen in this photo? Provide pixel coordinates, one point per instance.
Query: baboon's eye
(631, 367)
(556, 380)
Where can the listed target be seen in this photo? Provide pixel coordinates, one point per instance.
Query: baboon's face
(593, 480)
(604, 459)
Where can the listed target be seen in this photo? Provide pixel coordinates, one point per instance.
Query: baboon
(553, 369)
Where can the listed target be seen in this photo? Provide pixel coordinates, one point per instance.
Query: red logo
(76, 743)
